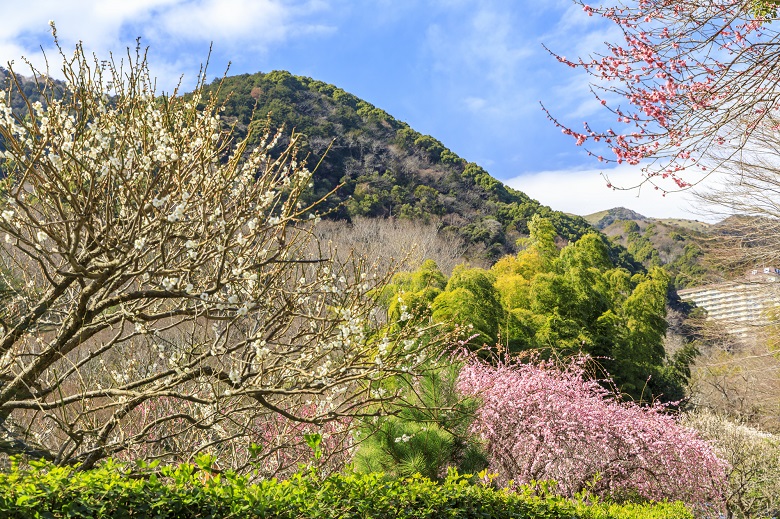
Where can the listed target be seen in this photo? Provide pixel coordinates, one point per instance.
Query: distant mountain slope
(678, 245)
(385, 167)
(692, 225)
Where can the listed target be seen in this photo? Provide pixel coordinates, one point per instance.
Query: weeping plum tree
(542, 422)
(688, 84)
(164, 294)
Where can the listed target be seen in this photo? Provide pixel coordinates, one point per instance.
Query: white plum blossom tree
(163, 292)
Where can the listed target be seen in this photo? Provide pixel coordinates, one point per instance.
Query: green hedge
(188, 491)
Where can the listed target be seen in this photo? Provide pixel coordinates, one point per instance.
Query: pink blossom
(540, 422)
(689, 71)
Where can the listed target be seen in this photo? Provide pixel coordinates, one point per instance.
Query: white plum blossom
(383, 346)
(159, 202)
(170, 283)
(178, 213)
(234, 375)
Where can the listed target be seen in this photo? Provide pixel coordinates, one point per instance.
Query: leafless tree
(394, 241)
(736, 377)
(747, 195)
(164, 293)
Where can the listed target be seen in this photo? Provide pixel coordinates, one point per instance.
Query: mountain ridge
(387, 169)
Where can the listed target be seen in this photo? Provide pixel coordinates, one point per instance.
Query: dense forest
(386, 169)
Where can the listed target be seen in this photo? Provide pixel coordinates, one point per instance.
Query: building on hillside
(745, 306)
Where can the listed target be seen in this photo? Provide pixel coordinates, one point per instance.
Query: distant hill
(603, 219)
(676, 244)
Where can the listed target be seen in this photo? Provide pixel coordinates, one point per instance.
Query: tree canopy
(561, 302)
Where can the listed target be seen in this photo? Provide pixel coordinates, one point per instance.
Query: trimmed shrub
(194, 491)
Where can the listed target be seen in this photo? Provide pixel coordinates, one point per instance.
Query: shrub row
(189, 491)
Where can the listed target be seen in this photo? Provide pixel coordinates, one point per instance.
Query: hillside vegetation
(677, 245)
(385, 168)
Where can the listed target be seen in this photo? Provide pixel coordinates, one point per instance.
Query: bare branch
(167, 289)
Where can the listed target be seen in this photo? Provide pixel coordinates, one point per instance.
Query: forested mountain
(676, 245)
(381, 166)
(385, 168)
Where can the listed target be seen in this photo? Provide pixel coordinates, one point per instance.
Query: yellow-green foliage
(470, 299)
(413, 292)
(560, 301)
(766, 8)
(194, 491)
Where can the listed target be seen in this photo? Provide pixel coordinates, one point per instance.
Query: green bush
(190, 491)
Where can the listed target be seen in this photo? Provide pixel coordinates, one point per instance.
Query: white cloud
(251, 22)
(169, 27)
(585, 192)
(96, 22)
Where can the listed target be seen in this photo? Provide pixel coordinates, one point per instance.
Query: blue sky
(471, 73)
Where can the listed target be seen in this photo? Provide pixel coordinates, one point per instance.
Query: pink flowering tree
(541, 422)
(688, 84)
